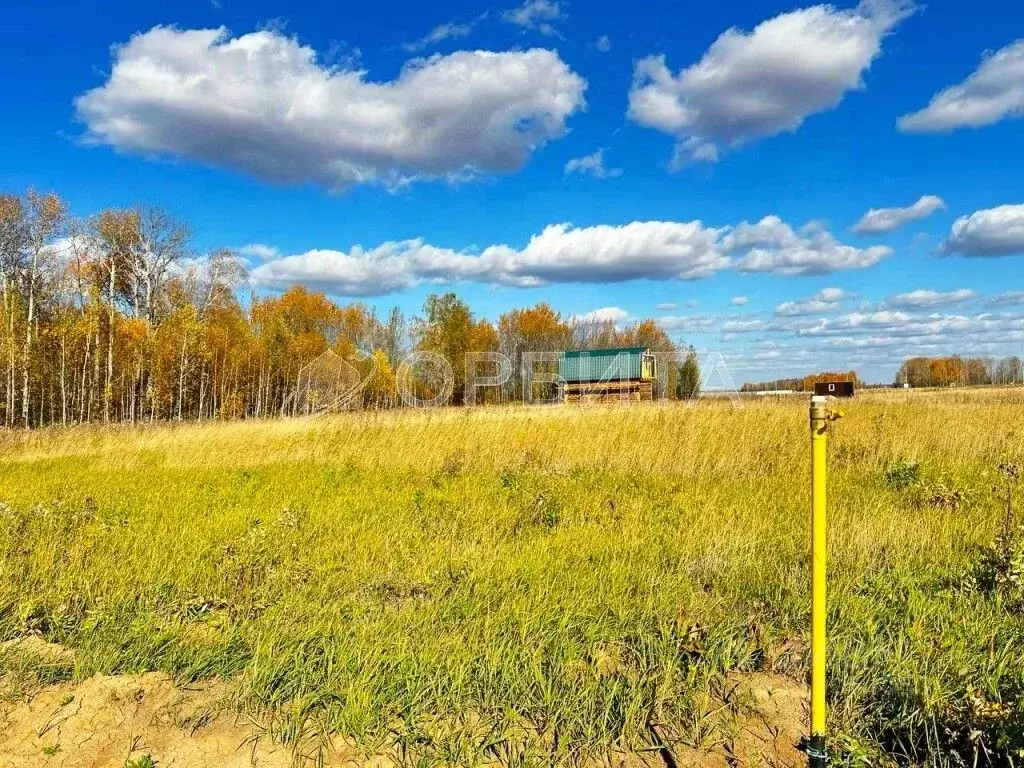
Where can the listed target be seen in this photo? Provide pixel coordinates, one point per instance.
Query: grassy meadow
(536, 584)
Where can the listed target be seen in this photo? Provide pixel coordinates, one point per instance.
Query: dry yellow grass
(454, 583)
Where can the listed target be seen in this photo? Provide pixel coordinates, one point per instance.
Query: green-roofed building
(608, 375)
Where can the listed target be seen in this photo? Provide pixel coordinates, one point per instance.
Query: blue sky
(545, 151)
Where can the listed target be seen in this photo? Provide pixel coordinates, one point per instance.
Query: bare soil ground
(145, 720)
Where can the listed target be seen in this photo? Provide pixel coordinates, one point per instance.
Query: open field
(529, 585)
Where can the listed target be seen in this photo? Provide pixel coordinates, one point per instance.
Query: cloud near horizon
(562, 253)
(773, 246)
(614, 315)
(928, 299)
(824, 301)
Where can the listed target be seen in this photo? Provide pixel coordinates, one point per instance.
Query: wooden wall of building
(610, 392)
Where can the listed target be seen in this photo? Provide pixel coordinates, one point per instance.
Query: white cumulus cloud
(686, 323)
(744, 326)
(1007, 299)
(928, 299)
(750, 85)
(989, 232)
(536, 14)
(993, 92)
(879, 221)
(909, 331)
(824, 301)
(561, 253)
(441, 32)
(771, 245)
(259, 251)
(261, 103)
(592, 165)
(614, 315)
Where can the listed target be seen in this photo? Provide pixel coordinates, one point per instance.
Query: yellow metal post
(820, 416)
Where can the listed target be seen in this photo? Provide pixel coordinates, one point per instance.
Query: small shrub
(543, 511)
(262, 561)
(1001, 568)
(903, 474)
(1000, 571)
(510, 480)
(247, 561)
(548, 510)
(940, 496)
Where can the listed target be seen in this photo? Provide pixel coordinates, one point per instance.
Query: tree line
(962, 371)
(802, 383)
(115, 317)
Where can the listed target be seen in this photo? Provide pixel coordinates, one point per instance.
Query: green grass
(532, 583)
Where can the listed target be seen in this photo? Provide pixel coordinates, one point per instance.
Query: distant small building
(608, 375)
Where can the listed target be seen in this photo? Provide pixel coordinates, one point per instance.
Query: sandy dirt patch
(129, 720)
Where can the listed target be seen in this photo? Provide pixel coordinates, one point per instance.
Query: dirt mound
(42, 652)
(145, 720)
(771, 721)
(761, 722)
(105, 722)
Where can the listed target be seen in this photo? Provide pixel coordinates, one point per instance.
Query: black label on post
(834, 388)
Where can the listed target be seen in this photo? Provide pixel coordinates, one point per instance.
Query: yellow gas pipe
(820, 417)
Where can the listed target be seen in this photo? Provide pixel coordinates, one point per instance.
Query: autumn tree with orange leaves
(116, 318)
